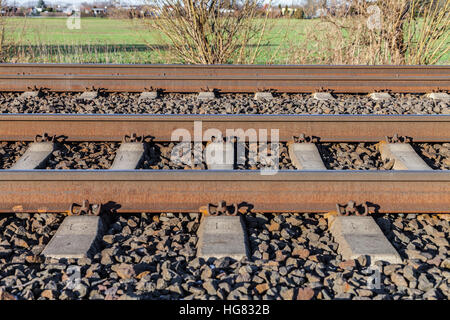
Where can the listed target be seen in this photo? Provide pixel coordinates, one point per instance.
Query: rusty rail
(329, 128)
(186, 191)
(223, 78)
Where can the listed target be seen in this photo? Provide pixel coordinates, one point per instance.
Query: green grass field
(123, 41)
(102, 40)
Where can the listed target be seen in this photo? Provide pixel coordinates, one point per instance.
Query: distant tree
(310, 7)
(299, 13)
(41, 4)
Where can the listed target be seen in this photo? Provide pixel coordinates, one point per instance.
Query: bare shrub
(382, 32)
(210, 31)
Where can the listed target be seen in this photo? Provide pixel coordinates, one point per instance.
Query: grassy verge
(102, 40)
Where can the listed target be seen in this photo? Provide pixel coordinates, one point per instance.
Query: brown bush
(209, 31)
(382, 32)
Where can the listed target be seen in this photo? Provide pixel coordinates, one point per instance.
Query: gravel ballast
(159, 157)
(293, 256)
(83, 155)
(336, 156)
(127, 103)
(352, 156)
(10, 152)
(436, 155)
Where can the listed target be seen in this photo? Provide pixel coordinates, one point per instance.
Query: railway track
(185, 191)
(223, 78)
(329, 128)
(395, 166)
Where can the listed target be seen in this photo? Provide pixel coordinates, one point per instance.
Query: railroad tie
(263, 96)
(129, 155)
(148, 95)
(35, 156)
(439, 96)
(361, 236)
(30, 94)
(76, 238)
(404, 156)
(88, 95)
(208, 95)
(380, 96)
(306, 156)
(323, 96)
(222, 236)
(358, 235)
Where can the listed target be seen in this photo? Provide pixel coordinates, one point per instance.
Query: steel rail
(223, 78)
(186, 191)
(329, 128)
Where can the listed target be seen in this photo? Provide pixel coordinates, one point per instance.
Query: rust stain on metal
(329, 128)
(186, 191)
(17, 208)
(225, 78)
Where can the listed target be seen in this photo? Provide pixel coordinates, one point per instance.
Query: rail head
(224, 78)
(329, 128)
(224, 175)
(187, 191)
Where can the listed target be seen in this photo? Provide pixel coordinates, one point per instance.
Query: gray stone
(287, 293)
(404, 156)
(305, 156)
(408, 272)
(106, 256)
(128, 157)
(415, 254)
(363, 261)
(210, 286)
(358, 236)
(401, 236)
(225, 286)
(176, 288)
(424, 283)
(222, 236)
(75, 238)
(108, 238)
(36, 154)
(399, 280)
(431, 294)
